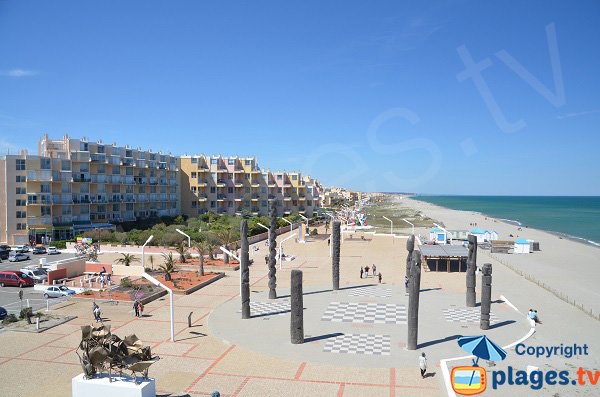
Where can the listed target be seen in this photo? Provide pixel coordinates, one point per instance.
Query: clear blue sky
(371, 96)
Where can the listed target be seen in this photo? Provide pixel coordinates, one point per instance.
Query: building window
(194, 160)
(247, 176)
(294, 177)
(194, 189)
(213, 204)
(309, 203)
(263, 203)
(248, 162)
(21, 203)
(194, 204)
(279, 177)
(21, 190)
(194, 175)
(231, 161)
(230, 204)
(21, 226)
(281, 190)
(21, 178)
(46, 210)
(20, 165)
(214, 161)
(294, 190)
(213, 189)
(229, 190)
(21, 214)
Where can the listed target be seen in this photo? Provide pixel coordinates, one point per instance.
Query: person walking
(379, 275)
(367, 271)
(361, 271)
(136, 308)
(141, 306)
(374, 270)
(328, 242)
(266, 259)
(423, 365)
(97, 314)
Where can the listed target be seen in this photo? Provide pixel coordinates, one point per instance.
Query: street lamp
(281, 248)
(291, 224)
(391, 224)
(306, 219)
(143, 246)
(188, 237)
(170, 291)
(413, 226)
(267, 229)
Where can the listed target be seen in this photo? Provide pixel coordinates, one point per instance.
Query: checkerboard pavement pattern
(466, 315)
(370, 313)
(373, 291)
(269, 308)
(359, 344)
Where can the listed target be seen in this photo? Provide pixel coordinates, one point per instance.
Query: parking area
(9, 296)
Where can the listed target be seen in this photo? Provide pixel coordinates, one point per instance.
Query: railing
(39, 220)
(39, 176)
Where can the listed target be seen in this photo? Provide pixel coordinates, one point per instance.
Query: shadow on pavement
(321, 337)
(330, 290)
(436, 341)
(502, 324)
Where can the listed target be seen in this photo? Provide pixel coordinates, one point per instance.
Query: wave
(575, 238)
(511, 221)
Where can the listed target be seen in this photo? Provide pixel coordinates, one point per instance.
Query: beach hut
(490, 235)
(438, 235)
(477, 232)
(522, 246)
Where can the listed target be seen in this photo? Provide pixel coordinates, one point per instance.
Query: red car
(15, 278)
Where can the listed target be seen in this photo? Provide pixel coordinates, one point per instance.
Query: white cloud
(16, 73)
(576, 114)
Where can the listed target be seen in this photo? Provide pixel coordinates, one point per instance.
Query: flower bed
(217, 263)
(185, 282)
(139, 289)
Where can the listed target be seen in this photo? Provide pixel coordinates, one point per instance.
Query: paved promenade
(254, 357)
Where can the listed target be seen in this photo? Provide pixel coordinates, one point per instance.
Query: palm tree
(212, 242)
(182, 251)
(168, 266)
(127, 259)
(201, 246)
(151, 259)
(225, 237)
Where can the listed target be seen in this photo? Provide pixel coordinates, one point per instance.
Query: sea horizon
(573, 217)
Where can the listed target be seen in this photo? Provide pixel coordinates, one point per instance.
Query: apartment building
(236, 185)
(74, 185)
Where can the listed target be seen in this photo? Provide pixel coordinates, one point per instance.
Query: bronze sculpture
(103, 351)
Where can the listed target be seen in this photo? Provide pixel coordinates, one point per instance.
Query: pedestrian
(136, 308)
(108, 279)
(102, 271)
(379, 275)
(367, 271)
(141, 306)
(102, 281)
(328, 242)
(361, 271)
(97, 314)
(406, 282)
(374, 270)
(423, 365)
(266, 259)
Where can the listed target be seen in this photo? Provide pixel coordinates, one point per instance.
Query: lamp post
(291, 224)
(391, 224)
(413, 226)
(306, 219)
(143, 246)
(266, 228)
(170, 291)
(281, 248)
(188, 237)
(447, 233)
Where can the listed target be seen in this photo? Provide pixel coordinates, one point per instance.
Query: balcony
(287, 198)
(39, 199)
(127, 162)
(239, 184)
(81, 157)
(39, 176)
(221, 183)
(98, 158)
(272, 184)
(62, 199)
(81, 178)
(39, 220)
(98, 178)
(62, 220)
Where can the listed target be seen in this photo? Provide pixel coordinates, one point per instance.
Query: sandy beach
(569, 268)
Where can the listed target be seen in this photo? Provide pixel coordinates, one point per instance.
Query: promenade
(255, 358)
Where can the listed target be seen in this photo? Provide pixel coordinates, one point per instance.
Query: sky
(447, 97)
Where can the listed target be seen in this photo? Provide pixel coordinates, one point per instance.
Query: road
(9, 296)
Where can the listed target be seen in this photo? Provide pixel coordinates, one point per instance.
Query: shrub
(24, 312)
(149, 287)
(125, 282)
(11, 318)
(314, 232)
(88, 292)
(60, 244)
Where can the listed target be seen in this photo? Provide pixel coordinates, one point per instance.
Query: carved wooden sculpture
(297, 308)
(244, 268)
(273, 255)
(335, 257)
(471, 267)
(486, 295)
(414, 283)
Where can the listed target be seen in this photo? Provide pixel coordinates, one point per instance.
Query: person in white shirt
(423, 364)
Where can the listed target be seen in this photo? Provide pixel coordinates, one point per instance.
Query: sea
(569, 216)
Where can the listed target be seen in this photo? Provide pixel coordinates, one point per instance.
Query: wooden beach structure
(446, 257)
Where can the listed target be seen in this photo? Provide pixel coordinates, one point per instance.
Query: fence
(559, 294)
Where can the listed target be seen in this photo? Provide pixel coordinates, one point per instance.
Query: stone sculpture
(414, 283)
(273, 255)
(335, 255)
(486, 295)
(297, 308)
(471, 267)
(100, 350)
(244, 268)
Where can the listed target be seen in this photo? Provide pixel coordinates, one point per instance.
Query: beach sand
(569, 268)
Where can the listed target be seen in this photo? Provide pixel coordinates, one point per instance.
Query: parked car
(4, 253)
(53, 251)
(20, 249)
(18, 257)
(38, 275)
(57, 291)
(15, 278)
(3, 313)
(38, 249)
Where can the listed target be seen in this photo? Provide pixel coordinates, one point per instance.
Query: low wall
(74, 266)
(127, 271)
(97, 267)
(56, 275)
